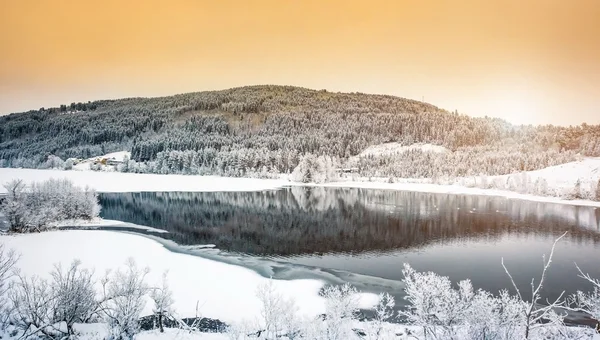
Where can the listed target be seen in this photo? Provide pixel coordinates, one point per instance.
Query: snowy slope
(565, 175)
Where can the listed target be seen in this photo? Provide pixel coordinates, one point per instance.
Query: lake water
(373, 232)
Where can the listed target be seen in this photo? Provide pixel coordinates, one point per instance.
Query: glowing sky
(531, 61)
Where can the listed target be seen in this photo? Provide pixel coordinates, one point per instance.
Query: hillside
(266, 130)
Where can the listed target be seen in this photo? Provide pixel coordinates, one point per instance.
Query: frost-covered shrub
(162, 297)
(123, 300)
(53, 162)
(588, 302)
(33, 208)
(341, 308)
(8, 260)
(31, 305)
(277, 314)
(434, 304)
(73, 293)
(69, 164)
(51, 307)
(312, 169)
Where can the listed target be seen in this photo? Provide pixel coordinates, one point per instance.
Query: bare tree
(384, 311)
(123, 300)
(278, 314)
(588, 302)
(13, 206)
(532, 311)
(74, 294)
(8, 260)
(341, 308)
(163, 301)
(32, 301)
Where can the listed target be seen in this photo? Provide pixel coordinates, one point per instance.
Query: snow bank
(102, 223)
(130, 182)
(223, 291)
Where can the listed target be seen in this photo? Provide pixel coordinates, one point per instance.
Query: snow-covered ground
(100, 223)
(129, 182)
(223, 291)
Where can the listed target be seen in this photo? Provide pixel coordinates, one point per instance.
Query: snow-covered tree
(8, 260)
(531, 311)
(341, 308)
(162, 297)
(32, 304)
(14, 206)
(74, 294)
(33, 207)
(312, 169)
(434, 304)
(123, 299)
(69, 164)
(54, 162)
(588, 302)
(384, 312)
(278, 315)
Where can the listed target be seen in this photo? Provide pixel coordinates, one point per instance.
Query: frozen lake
(373, 232)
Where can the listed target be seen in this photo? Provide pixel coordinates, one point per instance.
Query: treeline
(267, 129)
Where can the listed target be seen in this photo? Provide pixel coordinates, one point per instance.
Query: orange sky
(529, 61)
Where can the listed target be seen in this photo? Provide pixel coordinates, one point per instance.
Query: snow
(100, 223)
(223, 291)
(129, 182)
(397, 148)
(565, 175)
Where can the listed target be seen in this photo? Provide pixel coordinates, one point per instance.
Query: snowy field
(103, 181)
(223, 291)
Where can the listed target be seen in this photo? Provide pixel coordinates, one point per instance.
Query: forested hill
(271, 128)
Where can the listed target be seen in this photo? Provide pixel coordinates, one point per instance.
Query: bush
(33, 208)
(123, 300)
(313, 169)
(41, 306)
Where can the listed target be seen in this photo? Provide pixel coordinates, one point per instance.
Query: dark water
(373, 232)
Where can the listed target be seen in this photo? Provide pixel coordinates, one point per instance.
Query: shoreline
(106, 182)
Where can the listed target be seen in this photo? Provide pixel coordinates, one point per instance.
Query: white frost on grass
(129, 182)
(223, 291)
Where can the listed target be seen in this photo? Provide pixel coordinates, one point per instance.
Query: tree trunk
(160, 323)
